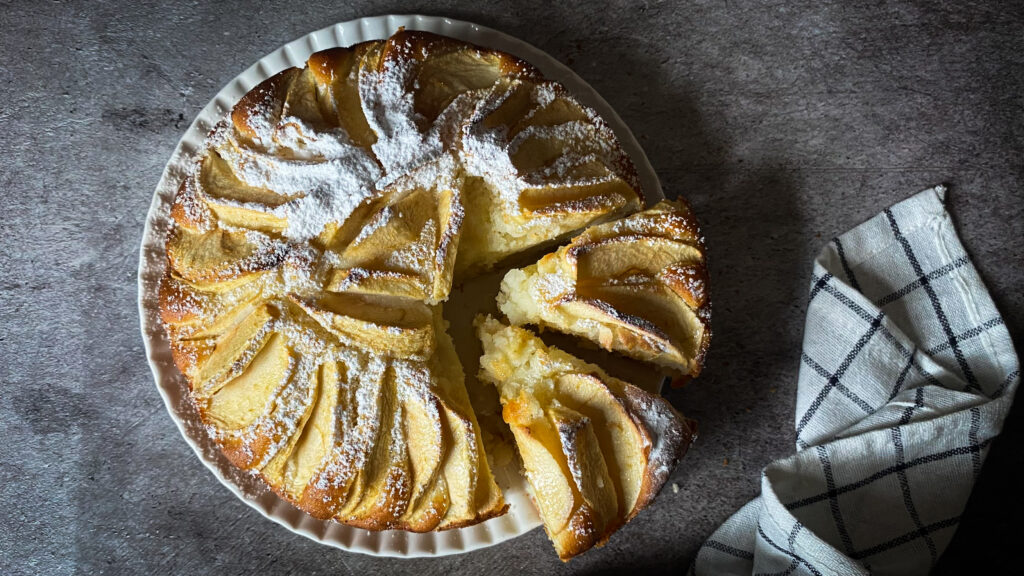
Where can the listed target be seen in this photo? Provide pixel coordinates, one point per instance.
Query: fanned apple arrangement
(320, 232)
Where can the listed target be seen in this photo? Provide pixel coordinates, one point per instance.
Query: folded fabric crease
(907, 373)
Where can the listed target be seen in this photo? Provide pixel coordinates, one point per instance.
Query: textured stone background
(785, 123)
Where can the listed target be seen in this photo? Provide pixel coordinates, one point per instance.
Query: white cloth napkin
(906, 375)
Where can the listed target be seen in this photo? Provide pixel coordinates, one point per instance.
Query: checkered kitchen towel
(906, 375)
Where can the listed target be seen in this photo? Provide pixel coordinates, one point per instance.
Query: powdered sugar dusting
(388, 106)
(487, 152)
(330, 175)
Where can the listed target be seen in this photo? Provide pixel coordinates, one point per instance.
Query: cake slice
(596, 450)
(637, 286)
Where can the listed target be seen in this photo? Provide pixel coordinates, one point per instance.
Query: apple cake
(637, 286)
(596, 450)
(319, 232)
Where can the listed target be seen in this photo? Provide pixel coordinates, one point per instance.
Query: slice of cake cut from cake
(637, 286)
(596, 450)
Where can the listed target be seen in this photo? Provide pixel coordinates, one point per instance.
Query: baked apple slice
(294, 466)
(637, 286)
(336, 72)
(407, 242)
(595, 449)
(401, 326)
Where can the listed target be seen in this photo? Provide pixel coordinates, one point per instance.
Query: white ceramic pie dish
(173, 388)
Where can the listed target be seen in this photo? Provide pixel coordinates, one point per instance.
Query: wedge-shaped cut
(406, 246)
(637, 286)
(596, 450)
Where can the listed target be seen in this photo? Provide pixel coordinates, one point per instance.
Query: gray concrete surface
(785, 123)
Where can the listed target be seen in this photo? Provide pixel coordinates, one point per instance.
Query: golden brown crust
(501, 510)
(266, 98)
(331, 63)
(189, 210)
(676, 436)
(692, 284)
